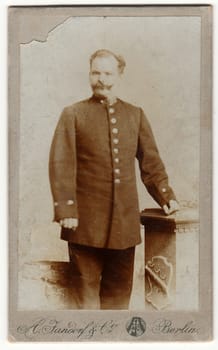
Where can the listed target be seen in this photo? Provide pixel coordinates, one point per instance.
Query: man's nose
(101, 78)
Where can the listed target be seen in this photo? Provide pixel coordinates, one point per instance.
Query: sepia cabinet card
(110, 218)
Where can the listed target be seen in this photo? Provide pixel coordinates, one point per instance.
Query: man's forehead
(105, 60)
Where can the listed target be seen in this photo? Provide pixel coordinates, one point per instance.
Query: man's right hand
(69, 223)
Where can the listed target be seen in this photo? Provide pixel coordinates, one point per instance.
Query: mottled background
(162, 76)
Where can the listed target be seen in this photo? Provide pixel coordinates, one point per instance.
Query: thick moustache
(103, 86)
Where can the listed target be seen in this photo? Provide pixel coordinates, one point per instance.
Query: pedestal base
(171, 259)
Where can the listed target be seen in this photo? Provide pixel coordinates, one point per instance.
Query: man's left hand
(172, 207)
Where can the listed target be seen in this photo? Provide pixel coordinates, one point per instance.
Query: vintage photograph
(110, 180)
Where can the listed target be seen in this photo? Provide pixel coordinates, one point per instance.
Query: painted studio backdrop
(162, 75)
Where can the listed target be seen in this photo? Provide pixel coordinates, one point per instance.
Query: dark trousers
(102, 278)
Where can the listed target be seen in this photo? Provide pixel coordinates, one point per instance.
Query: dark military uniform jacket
(92, 172)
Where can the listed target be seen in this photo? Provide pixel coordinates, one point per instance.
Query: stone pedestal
(171, 259)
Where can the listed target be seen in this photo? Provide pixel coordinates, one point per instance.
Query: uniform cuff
(162, 194)
(65, 209)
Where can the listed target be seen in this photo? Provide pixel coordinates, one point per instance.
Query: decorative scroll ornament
(159, 273)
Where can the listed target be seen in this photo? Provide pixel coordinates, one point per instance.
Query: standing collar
(104, 101)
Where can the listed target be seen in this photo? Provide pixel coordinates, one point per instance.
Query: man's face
(104, 75)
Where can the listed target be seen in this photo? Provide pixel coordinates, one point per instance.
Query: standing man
(93, 182)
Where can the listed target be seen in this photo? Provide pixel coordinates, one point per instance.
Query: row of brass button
(115, 141)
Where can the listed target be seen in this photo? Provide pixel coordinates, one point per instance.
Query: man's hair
(106, 53)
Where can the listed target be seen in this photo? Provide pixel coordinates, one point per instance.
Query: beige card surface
(168, 77)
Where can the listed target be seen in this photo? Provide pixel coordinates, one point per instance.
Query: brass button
(55, 204)
(164, 190)
(117, 171)
(116, 160)
(115, 131)
(113, 120)
(70, 202)
(117, 181)
(111, 110)
(116, 141)
(116, 150)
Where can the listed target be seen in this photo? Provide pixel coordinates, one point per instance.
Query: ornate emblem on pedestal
(159, 273)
